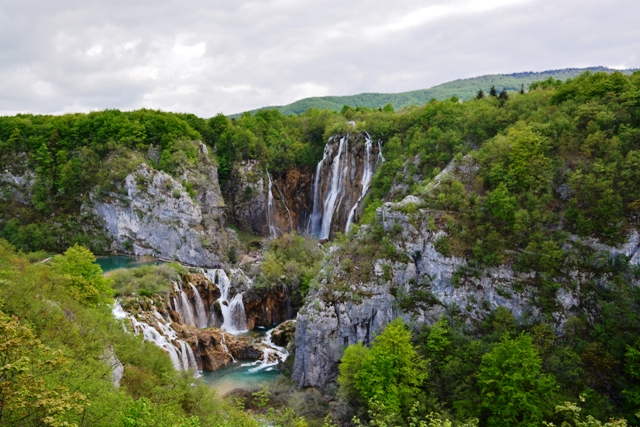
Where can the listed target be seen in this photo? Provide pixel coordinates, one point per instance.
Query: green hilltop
(462, 88)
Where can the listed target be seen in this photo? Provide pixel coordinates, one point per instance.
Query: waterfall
(338, 175)
(273, 232)
(223, 343)
(337, 185)
(234, 319)
(323, 210)
(183, 306)
(202, 314)
(316, 213)
(367, 174)
(271, 355)
(163, 338)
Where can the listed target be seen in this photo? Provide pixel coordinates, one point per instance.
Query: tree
(83, 276)
(28, 396)
(480, 94)
(493, 92)
(514, 389)
(522, 89)
(389, 374)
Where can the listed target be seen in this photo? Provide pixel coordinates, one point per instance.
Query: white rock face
(16, 187)
(153, 214)
(327, 325)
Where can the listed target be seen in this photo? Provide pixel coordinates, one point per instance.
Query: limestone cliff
(363, 286)
(156, 214)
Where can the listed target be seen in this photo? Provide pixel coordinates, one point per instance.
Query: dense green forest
(555, 165)
(461, 88)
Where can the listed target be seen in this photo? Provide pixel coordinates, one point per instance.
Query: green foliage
(463, 89)
(28, 391)
(389, 373)
(146, 280)
(290, 260)
(82, 275)
(515, 391)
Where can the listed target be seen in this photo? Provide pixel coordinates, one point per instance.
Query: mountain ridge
(462, 88)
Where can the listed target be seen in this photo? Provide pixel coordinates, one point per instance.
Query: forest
(557, 167)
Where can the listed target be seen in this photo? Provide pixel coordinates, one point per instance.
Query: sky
(208, 57)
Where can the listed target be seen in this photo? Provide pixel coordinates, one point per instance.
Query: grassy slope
(462, 88)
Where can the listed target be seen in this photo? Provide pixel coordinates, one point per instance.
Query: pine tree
(480, 94)
(493, 92)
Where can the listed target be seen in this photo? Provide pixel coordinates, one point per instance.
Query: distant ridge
(462, 88)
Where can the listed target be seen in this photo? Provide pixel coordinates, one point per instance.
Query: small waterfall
(182, 357)
(183, 306)
(367, 174)
(271, 355)
(201, 312)
(223, 343)
(234, 319)
(273, 231)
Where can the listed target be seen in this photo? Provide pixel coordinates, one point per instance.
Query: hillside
(453, 264)
(462, 88)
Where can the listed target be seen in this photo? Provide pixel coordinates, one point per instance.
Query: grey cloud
(207, 57)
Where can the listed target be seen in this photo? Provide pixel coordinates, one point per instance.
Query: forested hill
(461, 88)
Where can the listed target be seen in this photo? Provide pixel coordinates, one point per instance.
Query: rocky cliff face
(353, 300)
(158, 215)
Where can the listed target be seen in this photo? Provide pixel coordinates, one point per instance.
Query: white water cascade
(323, 212)
(273, 231)
(166, 338)
(336, 186)
(272, 355)
(183, 305)
(367, 174)
(200, 310)
(234, 319)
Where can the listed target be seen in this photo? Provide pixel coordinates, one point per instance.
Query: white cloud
(218, 56)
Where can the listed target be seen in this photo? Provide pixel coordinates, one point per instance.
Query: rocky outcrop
(250, 189)
(215, 348)
(284, 333)
(267, 307)
(158, 215)
(418, 283)
(17, 187)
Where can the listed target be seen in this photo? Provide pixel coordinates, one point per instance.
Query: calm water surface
(108, 263)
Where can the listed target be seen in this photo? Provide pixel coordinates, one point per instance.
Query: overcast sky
(207, 57)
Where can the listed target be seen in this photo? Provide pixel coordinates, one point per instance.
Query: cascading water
(323, 210)
(200, 310)
(181, 354)
(335, 184)
(367, 174)
(183, 306)
(273, 231)
(234, 319)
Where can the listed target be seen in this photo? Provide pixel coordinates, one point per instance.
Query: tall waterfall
(341, 182)
(367, 174)
(323, 211)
